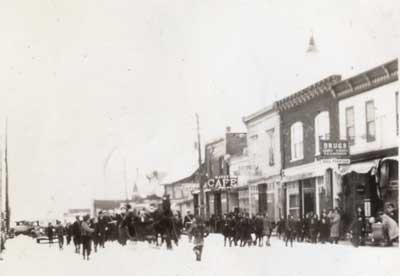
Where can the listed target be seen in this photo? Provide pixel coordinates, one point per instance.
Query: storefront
(369, 185)
(311, 188)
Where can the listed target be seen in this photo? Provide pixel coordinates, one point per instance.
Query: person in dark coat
(290, 230)
(60, 234)
(324, 228)
(86, 236)
(314, 229)
(199, 231)
(76, 234)
(102, 227)
(358, 228)
(392, 212)
(68, 231)
(259, 229)
(281, 227)
(50, 233)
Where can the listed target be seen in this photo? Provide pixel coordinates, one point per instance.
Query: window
(271, 141)
(370, 120)
(350, 130)
(322, 130)
(297, 141)
(397, 112)
(294, 203)
(221, 165)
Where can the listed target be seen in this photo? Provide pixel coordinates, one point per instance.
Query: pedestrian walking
(334, 220)
(199, 231)
(50, 233)
(290, 230)
(76, 233)
(60, 234)
(267, 229)
(358, 229)
(86, 233)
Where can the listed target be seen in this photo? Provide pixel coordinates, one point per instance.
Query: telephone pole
(201, 173)
(1, 201)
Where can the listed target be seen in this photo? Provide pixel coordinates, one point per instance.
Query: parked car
(41, 235)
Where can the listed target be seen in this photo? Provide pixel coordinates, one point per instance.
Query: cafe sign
(222, 182)
(334, 149)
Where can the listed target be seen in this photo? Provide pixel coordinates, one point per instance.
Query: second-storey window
(350, 130)
(296, 135)
(370, 120)
(270, 137)
(322, 130)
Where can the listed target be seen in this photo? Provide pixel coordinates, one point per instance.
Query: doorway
(309, 202)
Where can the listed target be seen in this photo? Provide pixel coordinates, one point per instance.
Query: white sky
(79, 78)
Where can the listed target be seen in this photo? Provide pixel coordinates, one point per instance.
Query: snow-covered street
(24, 256)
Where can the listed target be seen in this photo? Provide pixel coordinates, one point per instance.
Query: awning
(362, 167)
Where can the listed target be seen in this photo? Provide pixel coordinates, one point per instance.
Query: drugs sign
(334, 149)
(222, 182)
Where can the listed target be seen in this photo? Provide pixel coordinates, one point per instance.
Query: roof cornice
(308, 93)
(368, 80)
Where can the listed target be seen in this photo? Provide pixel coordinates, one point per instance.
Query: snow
(24, 256)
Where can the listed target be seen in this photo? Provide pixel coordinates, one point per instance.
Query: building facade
(307, 117)
(369, 120)
(218, 154)
(264, 154)
(181, 193)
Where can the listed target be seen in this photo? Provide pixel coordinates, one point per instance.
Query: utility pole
(201, 173)
(6, 179)
(126, 182)
(1, 201)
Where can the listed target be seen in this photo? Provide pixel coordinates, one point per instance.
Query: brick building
(307, 117)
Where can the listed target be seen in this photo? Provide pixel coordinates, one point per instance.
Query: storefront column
(249, 188)
(317, 211)
(227, 200)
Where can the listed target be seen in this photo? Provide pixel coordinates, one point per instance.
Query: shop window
(297, 141)
(294, 203)
(370, 120)
(322, 130)
(350, 129)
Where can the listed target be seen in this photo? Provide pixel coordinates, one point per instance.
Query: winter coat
(60, 230)
(390, 226)
(290, 226)
(335, 225)
(199, 232)
(86, 231)
(258, 226)
(76, 229)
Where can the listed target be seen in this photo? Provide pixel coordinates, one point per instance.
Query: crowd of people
(240, 229)
(159, 227)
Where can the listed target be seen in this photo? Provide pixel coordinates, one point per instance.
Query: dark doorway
(217, 204)
(309, 202)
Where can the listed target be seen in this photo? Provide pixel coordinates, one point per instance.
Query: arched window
(322, 129)
(296, 136)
